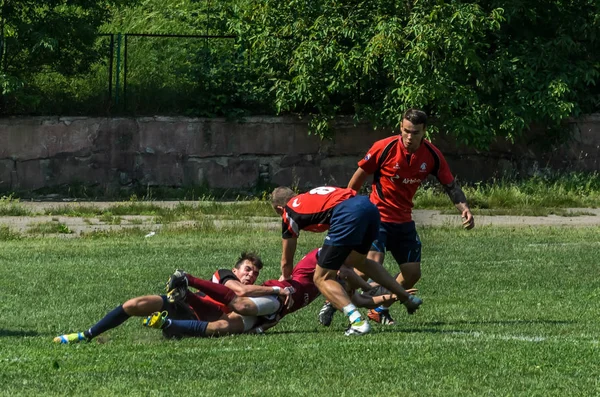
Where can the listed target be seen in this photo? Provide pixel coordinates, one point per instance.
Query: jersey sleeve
(369, 162)
(289, 228)
(221, 276)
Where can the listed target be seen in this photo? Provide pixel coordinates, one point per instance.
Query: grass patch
(7, 234)
(9, 206)
(491, 323)
(109, 218)
(575, 190)
(54, 227)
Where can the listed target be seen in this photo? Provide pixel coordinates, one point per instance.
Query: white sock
(352, 312)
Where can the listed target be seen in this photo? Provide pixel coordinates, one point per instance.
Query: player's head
(280, 197)
(247, 268)
(412, 129)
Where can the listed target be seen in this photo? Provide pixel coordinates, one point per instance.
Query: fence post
(118, 72)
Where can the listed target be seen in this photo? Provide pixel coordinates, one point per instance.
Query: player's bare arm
(256, 290)
(358, 179)
(355, 281)
(371, 302)
(459, 199)
(287, 257)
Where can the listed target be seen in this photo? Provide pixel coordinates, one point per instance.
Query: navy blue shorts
(401, 240)
(354, 226)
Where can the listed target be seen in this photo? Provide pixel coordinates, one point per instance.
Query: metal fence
(143, 74)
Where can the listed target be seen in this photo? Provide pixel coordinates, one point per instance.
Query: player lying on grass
(240, 279)
(303, 290)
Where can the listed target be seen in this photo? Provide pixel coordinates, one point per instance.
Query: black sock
(113, 319)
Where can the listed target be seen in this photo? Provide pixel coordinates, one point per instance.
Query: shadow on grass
(8, 333)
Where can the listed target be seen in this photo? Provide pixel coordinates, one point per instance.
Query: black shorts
(333, 257)
(401, 240)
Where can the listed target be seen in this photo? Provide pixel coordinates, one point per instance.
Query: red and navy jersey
(312, 210)
(398, 173)
(305, 290)
(221, 276)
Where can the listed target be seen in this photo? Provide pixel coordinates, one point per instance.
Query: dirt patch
(80, 225)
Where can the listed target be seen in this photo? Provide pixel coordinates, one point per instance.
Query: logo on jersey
(396, 166)
(368, 156)
(423, 167)
(295, 203)
(410, 181)
(394, 177)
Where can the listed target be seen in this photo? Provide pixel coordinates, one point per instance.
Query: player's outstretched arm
(358, 179)
(256, 290)
(371, 302)
(459, 199)
(353, 279)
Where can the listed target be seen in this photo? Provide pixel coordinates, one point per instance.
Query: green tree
(50, 35)
(480, 68)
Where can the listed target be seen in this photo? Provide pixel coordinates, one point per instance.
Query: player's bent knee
(143, 305)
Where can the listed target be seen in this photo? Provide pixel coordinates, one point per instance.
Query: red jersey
(398, 174)
(312, 210)
(204, 305)
(302, 281)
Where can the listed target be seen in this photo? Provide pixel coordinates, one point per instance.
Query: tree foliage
(481, 68)
(48, 36)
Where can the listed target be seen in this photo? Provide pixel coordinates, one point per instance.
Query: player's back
(312, 211)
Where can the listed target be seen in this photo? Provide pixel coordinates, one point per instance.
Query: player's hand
(468, 220)
(412, 304)
(288, 292)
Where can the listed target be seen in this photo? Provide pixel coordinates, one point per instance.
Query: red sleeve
(369, 162)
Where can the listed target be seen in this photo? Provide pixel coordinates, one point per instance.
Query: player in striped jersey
(352, 223)
(399, 164)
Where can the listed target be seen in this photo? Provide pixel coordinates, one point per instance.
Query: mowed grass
(507, 312)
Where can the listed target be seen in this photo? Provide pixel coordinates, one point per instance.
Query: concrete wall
(162, 151)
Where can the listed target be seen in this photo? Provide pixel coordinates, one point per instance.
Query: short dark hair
(281, 195)
(416, 116)
(250, 257)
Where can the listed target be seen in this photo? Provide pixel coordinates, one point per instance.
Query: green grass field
(507, 312)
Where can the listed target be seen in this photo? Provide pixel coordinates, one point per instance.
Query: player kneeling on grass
(196, 306)
(303, 290)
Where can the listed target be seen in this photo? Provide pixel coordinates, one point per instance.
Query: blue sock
(187, 327)
(113, 319)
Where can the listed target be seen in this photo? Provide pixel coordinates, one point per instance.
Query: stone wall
(162, 151)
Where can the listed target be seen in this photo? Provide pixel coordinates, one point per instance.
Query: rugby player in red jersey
(399, 164)
(240, 279)
(303, 290)
(352, 223)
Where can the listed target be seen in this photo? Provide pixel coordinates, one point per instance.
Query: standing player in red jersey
(353, 223)
(399, 164)
(303, 290)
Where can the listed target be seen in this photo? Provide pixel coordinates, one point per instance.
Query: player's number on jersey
(323, 190)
